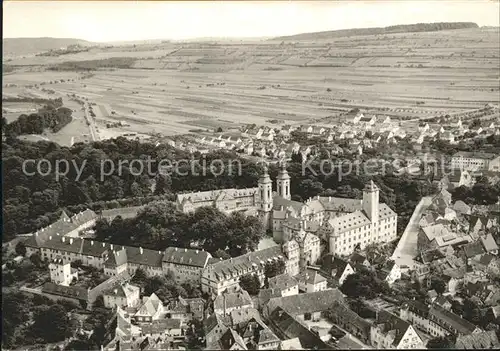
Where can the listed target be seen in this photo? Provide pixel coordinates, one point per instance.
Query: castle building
(302, 227)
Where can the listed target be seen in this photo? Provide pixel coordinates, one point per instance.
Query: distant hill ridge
(403, 28)
(26, 46)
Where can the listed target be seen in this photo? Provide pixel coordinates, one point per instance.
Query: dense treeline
(31, 202)
(35, 319)
(160, 225)
(49, 117)
(404, 28)
(53, 102)
(481, 193)
(90, 65)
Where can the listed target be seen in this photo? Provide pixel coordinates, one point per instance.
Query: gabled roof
(138, 255)
(229, 338)
(305, 303)
(451, 319)
(67, 291)
(486, 259)
(282, 282)
(357, 259)
(291, 344)
(150, 306)
(161, 326)
(189, 257)
(473, 249)
(482, 340)
(244, 263)
(335, 266)
(116, 258)
(289, 327)
(489, 243)
(391, 323)
(232, 300)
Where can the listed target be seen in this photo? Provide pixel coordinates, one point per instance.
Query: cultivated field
(176, 87)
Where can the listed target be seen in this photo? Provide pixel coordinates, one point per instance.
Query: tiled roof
(189, 257)
(280, 202)
(305, 303)
(349, 221)
(340, 204)
(267, 336)
(392, 323)
(150, 306)
(357, 259)
(291, 344)
(240, 316)
(431, 255)
(435, 231)
(489, 243)
(212, 322)
(212, 195)
(482, 340)
(116, 258)
(282, 282)
(244, 263)
(478, 155)
(67, 291)
(348, 316)
(83, 217)
(451, 319)
(160, 326)
(334, 266)
(461, 207)
(232, 300)
(473, 249)
(138, 255)
(288, 327)
(228, 339)
(486, 259)
(122, 290)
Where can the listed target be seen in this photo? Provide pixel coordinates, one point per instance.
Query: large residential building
(476, 161)
(225, 274)
(436, 320)
(186, 264)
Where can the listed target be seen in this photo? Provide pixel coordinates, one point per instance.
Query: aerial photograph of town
(250, 175)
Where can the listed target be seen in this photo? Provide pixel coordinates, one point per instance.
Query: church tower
(283, 183)
(371, 201)
(265, 202)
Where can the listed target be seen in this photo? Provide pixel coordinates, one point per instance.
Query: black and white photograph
(250, 175)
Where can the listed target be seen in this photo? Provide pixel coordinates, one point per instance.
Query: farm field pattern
(176, 87)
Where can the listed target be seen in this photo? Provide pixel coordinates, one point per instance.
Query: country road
(406, 250)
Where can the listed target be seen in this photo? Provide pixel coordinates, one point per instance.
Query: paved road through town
(406, 250)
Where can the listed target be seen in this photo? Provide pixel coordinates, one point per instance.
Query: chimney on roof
(91, 242)
(185, 250)
(50, 237)
(116, 291)
(141, 250)
(71, 241)
(175, 249)
(196, 251)
(63, 239)
(111, 246)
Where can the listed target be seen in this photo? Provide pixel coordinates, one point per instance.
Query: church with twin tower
(308, 229)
